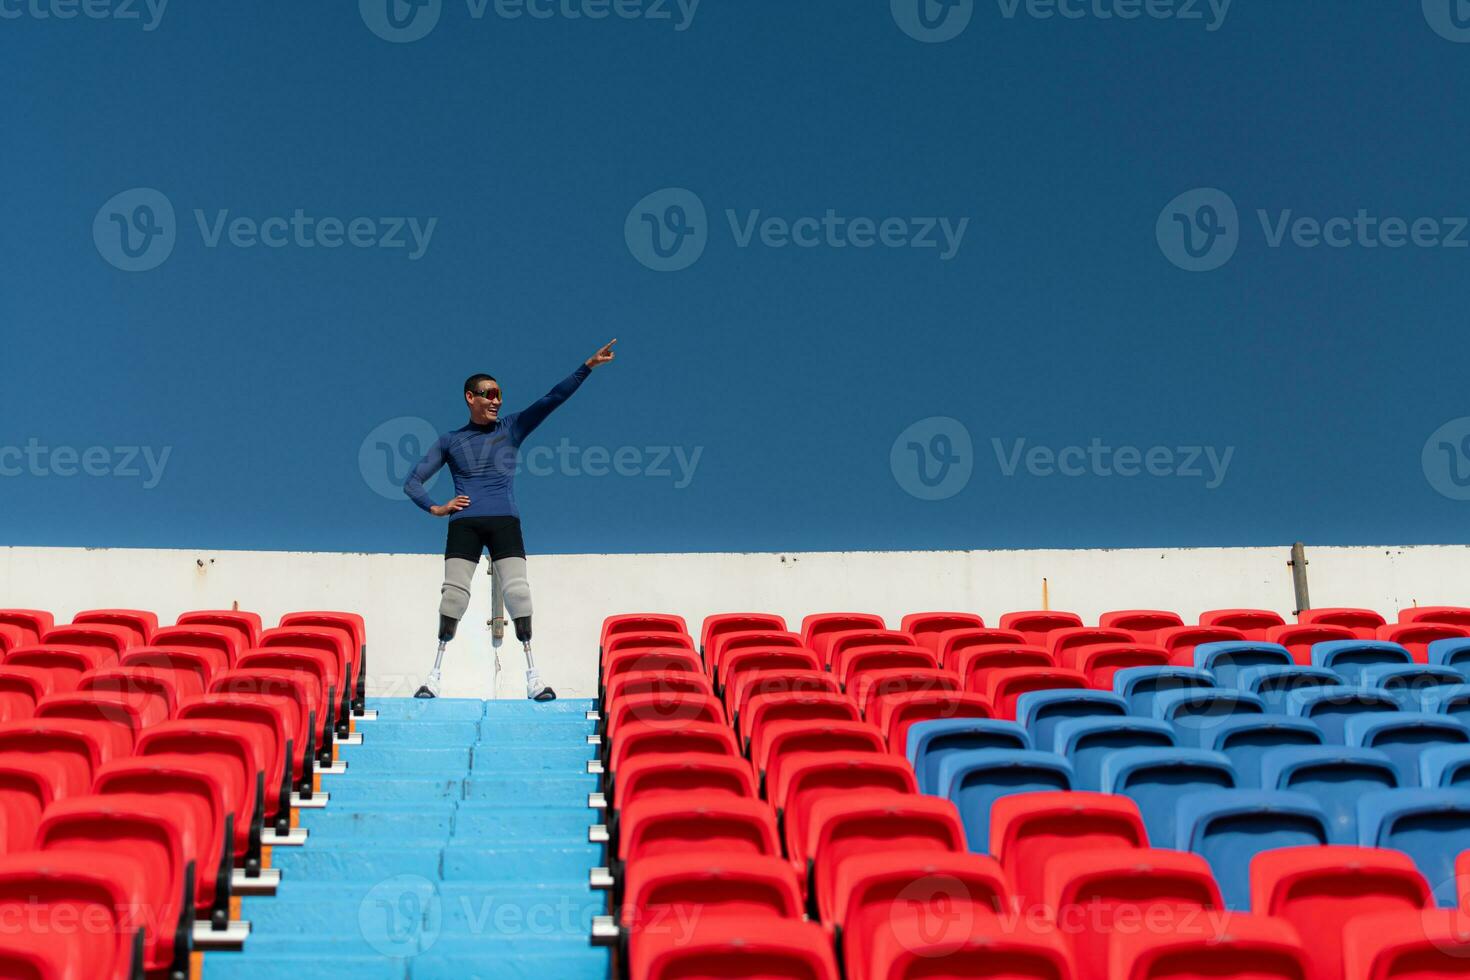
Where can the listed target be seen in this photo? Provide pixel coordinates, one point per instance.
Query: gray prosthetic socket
(454, 597)
(514, 586)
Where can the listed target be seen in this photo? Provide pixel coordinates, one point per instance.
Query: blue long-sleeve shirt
(482, 458)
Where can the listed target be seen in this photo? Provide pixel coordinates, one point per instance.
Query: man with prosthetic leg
(482, 458)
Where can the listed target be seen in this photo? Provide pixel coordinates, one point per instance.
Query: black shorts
(469, 536)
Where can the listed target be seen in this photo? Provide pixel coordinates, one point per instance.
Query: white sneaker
(430, 687)
(537, 691)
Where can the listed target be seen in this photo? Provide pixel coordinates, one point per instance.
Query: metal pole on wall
(1298, 566)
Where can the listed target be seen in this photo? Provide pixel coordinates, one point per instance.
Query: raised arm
(525, 422)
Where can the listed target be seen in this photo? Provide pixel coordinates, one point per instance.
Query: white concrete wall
(399, 594)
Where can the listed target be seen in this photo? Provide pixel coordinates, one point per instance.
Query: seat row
(142, 768)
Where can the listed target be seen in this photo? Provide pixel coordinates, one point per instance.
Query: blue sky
(991, 226)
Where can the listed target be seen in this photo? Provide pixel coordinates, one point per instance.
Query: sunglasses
(488, 393)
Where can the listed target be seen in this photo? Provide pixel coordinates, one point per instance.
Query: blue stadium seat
(1039, 712)
(1451, 701)
(975, 780)
(1228, 827)
(1445, 767)
(1140, 685)
(1432, 826)
(1403, 736)
(1408, 683)
(1336, 776)
(1086, 741)
(1330, 707)
(931, 742)
(1245, 738)
(1453, 653)
(1272, 684)
(1226, 660)
(1195, 713)
(1155, 778)
(1347, 658)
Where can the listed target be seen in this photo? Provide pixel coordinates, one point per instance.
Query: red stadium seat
(1094, 896)
(1142, 623)
(641, 623)
(837, 826)
(112, 639)
(322, 673)
(63, 889)
(1363, 622)
(357, 626)
(763, 657)
(202, 662)
(246, 625)
(1036, 625)
(235, 749)
(159, 836)
(1180, 641)
(640, 659)
(696, 738)
(139, 622)
(926, 627)
(851, 662)
(727, 825)
(28, 784)
(1298, 639)
(12, 637)
(1427, 944)
(1448, 615)
(129, 712)
(21, 688)
(973, 663)
(756, 947)
(64, 666)
(655, 682)
(894, 713)
(940, 945)
(1029, 830)
(669, 710)
(298, 696)
(816, 627)
(1332, 888)
(1003, 687)
(267, 722)
(798, 706)
(750, 683)
(794, 775)
(74, 750)
(868, 887)
(32, 623)
(700, 887)
(951, 643)
(336, 642)
(1416, 637)
(721, 623)
(726, 645)
(279, 715)
(189, 783)
(1064, 644)
(699, 776)
(1101, 662)
(175, 685)
(1247, 947)
(201, 637)
(627, 641)
(780, 738)
(874, 684)
(1252, 622)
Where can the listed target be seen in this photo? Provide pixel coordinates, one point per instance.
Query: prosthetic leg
(510, 574)
(454, 599)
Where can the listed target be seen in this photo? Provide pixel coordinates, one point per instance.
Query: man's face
(484, 401)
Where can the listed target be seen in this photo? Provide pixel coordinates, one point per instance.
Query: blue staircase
(454, 848)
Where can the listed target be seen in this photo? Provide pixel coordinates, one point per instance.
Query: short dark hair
(472, 383)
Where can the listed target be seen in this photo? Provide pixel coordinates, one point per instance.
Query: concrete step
(495, 823)
(429, 709)
(370, 759)
(495, 787)
(405, 789)
(422, 734)
(568, 759)
(471, 861)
